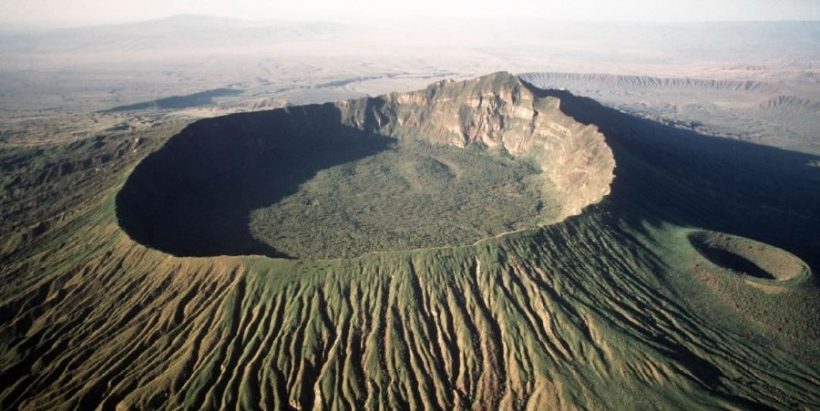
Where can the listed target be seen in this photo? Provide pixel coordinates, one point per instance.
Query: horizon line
(53, 24)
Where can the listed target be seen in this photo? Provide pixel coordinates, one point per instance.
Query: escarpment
(501, 112)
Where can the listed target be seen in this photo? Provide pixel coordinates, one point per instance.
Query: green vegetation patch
(413, 195)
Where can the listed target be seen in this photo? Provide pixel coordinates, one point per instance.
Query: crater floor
(414, 195)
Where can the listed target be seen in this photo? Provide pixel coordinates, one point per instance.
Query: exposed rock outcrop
(502, 112)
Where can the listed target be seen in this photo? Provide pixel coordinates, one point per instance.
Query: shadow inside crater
(729, 260)
(194, 196)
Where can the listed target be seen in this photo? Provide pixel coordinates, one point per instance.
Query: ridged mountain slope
(613, 308)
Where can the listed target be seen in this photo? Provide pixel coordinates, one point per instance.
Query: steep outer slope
(590, 313)
(570, 317)
(500, 111)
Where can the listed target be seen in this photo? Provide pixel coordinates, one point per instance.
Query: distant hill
(185, 31)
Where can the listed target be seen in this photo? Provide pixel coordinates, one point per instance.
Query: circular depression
(748, 257)
(298, 183)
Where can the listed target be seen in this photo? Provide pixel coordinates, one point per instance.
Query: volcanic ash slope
(588, 313)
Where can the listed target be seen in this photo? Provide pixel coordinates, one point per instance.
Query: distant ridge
(620, 80)
(785, 102)
(178, 102)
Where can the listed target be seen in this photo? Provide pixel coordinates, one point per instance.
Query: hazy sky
(77, 12)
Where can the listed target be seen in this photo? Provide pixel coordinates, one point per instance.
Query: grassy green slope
(576, 315)
(606, 310)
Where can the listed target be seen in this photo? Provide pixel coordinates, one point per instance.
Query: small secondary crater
(748, 257)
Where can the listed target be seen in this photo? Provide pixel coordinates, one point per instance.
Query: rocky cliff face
(501, 112)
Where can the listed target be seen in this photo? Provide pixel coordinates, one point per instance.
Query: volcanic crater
(748, 257)
(449, 165)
